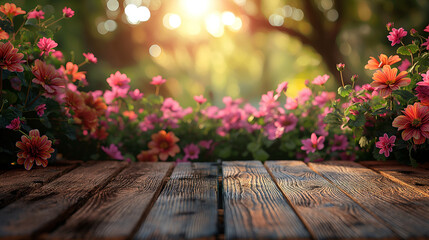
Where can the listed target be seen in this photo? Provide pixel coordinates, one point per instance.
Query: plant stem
(54, 22)
(341, 75)
(28, 93)
(31, 103)
(157, 90)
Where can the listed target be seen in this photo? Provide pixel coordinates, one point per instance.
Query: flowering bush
(46, 115)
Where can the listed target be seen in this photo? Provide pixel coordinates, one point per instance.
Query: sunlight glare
(136, 14)
(174, 21)
(196, 7)
(236, 25)
(228, 18)
(214, 25)
(155, 50)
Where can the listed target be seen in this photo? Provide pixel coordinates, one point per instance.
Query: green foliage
(408, 49)
(345, 91)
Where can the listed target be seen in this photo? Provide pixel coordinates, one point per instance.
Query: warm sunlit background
(240, 48)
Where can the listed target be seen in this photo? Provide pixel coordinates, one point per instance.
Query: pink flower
(268, 102)
(46, 45)
(113, 152)
(90, 57)
(323, 98)
(340, 67)
(312, 144)
(136, 94)
(15, 124)
(36, 14)
(396, 35)
(34, 148)
(389, 26)
(425, 79)
(200, 99)
(183, 160)
(10, 59)
(340, 143)
(68, 12)
(404, 65)
(205, 143)
(118, 80)
(423, 94)
(40, 109)
(282, 87)
(426, 29)
(320, 80)
(291, 103)
(304, 95)
(158, 80)
(191, 151)
(386, 144)
(286, 123)
(58, 55)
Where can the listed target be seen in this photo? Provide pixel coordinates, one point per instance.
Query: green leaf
(333, 118)
(380, 111)
(405, 50)
(404, 94)
(253, 146)
(225, 152)
(345, 91)
(10, 96)
(260, 155)
(358, 122)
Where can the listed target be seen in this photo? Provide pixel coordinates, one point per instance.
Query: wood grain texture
(326, 210)
(254, 208)
(41, 209)
(16, 183)
(413, 177)
(404, 209)
(114, 212)
(187, 206)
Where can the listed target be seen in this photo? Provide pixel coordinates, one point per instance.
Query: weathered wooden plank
(404, 209)
(16, 183)
(43, 208)
(187, 206)
(115, 211)
(254, 208)
(411, 176)
(326, 210)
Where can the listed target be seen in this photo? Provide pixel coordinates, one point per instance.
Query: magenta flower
(200, 99)
(340, 143)
(36, 14)
(320, 80)
(136, 94)
(68, 12)
(205, 143)
(425, 81)
(386, 144)
(291, 103)
(312, 144)
(90, 57)
(426, 28)
(40, 109)
(118, 80)
(46, 45)
(405, 64)
(304, 95)
(396, 35)
(191, 151)
(15, 124)
(113, 152)
(389, 26)
(158, 80)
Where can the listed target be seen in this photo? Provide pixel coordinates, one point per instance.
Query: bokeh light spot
(112, 5)
(214, 25)
(228, 18)
(101, 28)
(297, 14)
(332, 15)
(196, 7)
(327, 4)
(110, 25)
(155, 50)
(276, 20)
(236, 25)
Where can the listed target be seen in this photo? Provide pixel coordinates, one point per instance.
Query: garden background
(201, 48)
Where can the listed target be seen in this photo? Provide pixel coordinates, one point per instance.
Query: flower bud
(355, 77)
(414, 32)
(340, 67)
(389, 26)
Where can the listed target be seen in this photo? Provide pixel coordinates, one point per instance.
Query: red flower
(164, 144)
(46, 45)
(34, 148)
(49, 78)
(36, 14)
(10, 59)
(386, 81)
(414, 122)
(68, 12)
(10, 10)
(384, 60)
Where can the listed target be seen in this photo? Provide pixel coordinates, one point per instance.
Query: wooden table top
(232, 200)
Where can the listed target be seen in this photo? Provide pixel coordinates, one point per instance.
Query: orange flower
(10, 10)
(164, 144)
(34, 148)
(87, 117)
(374, 64)
(147, 156)
(72, 71)
(3, 34)
(386, 81)
(414, 122)
(95, 103)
